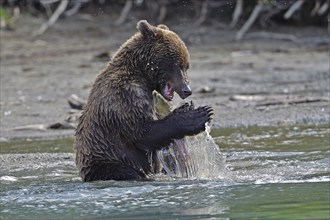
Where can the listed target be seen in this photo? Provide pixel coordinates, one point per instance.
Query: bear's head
(167, 60)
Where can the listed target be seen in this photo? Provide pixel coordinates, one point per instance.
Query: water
(273, 173)
(194, 157)
(207, 160)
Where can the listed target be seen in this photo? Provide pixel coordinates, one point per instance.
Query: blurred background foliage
(240, 14)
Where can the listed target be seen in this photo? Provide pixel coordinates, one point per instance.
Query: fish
(174, 158)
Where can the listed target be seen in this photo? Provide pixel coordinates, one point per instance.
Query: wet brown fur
(120, 104)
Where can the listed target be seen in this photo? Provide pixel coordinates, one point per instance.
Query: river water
(270, 173)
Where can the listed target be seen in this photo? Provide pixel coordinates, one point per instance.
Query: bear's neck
(135, 62)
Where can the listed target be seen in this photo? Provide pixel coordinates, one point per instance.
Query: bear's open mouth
(168, 92)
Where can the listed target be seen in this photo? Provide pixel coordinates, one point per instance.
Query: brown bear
(118, 133)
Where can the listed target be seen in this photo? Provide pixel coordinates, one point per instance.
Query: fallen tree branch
(237, 13)
(162, 13)
(316, 7)
(293, 9)
(323, 8)
(272, 9)
(204, 11)
(318, 40)
(60, 9)
(162, 10)
(291, 101)
(76, 6)
(266, 100)
(247, 98)
(34, 127)
(44, 127)
(255, 13)
(271, 35)
(124, 12)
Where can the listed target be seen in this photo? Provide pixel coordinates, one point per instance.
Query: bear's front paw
(199, 117)
(193, 122)
(187, 106)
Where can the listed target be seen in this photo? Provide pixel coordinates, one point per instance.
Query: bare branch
(237, 13)
(274, 36)
(324, 8)
(204, 10)
(162, 13)
(76, 5)
(290, 101)
(60, 9)
(124, 13)
(255, 13)
(316, 7)
(293, 9)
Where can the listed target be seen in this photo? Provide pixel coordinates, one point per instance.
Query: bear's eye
(184, 66)
(187, 66)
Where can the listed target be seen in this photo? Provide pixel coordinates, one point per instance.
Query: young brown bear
(118, 133)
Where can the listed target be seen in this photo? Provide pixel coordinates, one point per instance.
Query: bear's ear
(163, 26)
(145, 28)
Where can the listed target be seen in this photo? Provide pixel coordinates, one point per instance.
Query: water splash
(192, 157)
(207, 159)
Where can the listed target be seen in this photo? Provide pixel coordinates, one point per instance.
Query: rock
(75, 102)
(206, 89)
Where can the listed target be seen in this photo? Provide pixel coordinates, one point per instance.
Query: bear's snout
(185, 91)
